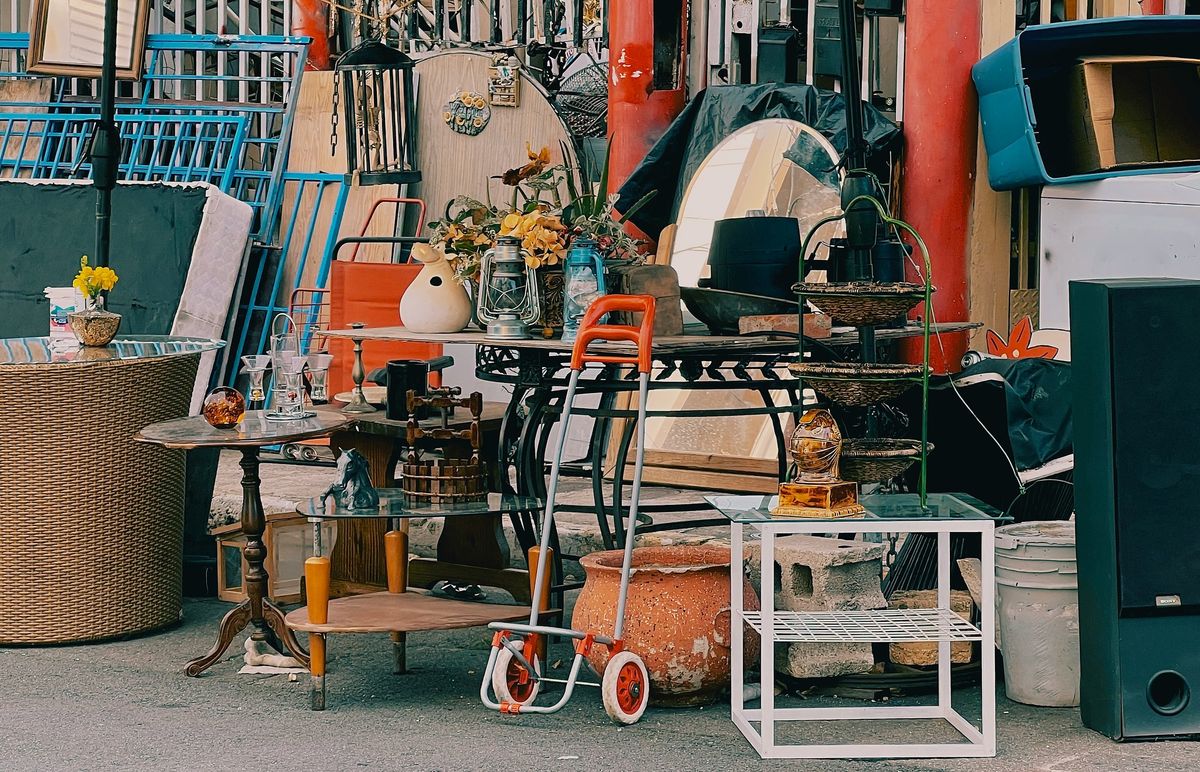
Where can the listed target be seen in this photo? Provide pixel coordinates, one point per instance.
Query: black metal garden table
(536, 370)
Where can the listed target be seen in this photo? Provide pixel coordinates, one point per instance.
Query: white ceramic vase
(435, 301)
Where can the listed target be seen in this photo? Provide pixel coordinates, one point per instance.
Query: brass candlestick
(358, 399)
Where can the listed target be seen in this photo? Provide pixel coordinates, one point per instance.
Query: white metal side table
(943, 515)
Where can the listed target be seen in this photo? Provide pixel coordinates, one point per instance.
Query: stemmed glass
(318, 373)
(291, 394)
(256, 369)
(285, 343)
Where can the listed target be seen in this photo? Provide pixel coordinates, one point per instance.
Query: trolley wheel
(506, 679)
(308, 453)
(625, 688)
(289, 452)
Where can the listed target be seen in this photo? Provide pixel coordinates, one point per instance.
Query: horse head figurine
(352, 487)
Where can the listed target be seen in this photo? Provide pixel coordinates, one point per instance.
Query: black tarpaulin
(1003, 412)
(714, 114)
(1037, 399)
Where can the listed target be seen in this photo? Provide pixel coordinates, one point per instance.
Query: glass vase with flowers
(94, 325)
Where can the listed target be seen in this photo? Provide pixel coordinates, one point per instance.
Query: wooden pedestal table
(470, 550)
(471, 544)
(247, 437)
(399, 610)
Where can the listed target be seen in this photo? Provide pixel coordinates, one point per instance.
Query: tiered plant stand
(867, 305)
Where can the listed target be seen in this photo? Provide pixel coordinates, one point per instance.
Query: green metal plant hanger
(900, 227)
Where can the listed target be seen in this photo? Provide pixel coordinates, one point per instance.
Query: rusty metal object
(677, 618)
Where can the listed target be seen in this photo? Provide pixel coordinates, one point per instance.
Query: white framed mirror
(781, 167)
(756, 168)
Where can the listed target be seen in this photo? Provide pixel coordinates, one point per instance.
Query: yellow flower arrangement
(92, 281)
(542, 235)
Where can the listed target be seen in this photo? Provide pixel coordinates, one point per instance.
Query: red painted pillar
(638, 112)
(1153, 7)
(940, 125)
(311, 19)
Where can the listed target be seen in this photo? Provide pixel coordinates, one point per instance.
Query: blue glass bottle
(583, 282)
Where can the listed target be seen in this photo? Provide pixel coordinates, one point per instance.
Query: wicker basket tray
(878, 459)
(857, 383)
(862, 303)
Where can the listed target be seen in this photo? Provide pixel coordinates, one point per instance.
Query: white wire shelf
(883, 626)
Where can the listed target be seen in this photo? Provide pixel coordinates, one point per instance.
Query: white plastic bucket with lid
(1038, 603)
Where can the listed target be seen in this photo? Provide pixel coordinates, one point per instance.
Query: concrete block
(816, 573)
(823, 660)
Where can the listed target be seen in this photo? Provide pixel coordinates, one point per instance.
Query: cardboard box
(1123, 112)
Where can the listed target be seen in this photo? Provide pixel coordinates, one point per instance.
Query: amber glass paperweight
(224, 407)
(817, 491)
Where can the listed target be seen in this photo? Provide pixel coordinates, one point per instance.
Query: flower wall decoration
(1018, 345)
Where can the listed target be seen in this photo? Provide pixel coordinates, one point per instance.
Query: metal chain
(889, 559)
(379, 20)
(333, 118)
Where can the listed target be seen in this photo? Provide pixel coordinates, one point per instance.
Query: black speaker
(1137, 477)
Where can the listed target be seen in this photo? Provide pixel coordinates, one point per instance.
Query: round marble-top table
(254, 431)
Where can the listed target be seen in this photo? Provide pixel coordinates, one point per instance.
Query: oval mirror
(778, 166)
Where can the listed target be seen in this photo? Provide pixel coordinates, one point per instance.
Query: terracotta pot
(676, 619)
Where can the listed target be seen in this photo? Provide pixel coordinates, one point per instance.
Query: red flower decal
(1017, 346)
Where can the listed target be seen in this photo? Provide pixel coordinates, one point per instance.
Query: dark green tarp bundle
(1037, 396)
(714, 114)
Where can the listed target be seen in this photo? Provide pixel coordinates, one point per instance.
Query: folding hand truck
(513, 671)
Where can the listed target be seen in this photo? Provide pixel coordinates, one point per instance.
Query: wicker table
(247, 437)
(91, 524)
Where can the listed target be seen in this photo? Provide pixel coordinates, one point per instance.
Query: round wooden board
(454, 164)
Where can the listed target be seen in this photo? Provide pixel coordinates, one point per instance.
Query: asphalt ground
(127, 705)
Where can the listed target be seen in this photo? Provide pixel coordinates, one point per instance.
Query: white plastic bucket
(1038, 603)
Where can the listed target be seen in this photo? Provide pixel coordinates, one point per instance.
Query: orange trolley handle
(641, 335)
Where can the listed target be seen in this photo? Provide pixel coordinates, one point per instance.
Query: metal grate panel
(154, 148)
(884, 626)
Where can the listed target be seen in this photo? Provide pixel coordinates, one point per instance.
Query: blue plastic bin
(1006, 80)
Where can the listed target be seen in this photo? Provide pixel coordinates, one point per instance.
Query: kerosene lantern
(374, 84)
(508, 291)
(583, 282)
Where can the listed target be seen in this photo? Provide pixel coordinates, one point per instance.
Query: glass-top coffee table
(400, 609)
(42, 351)
(938, 506)
(943, 515)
